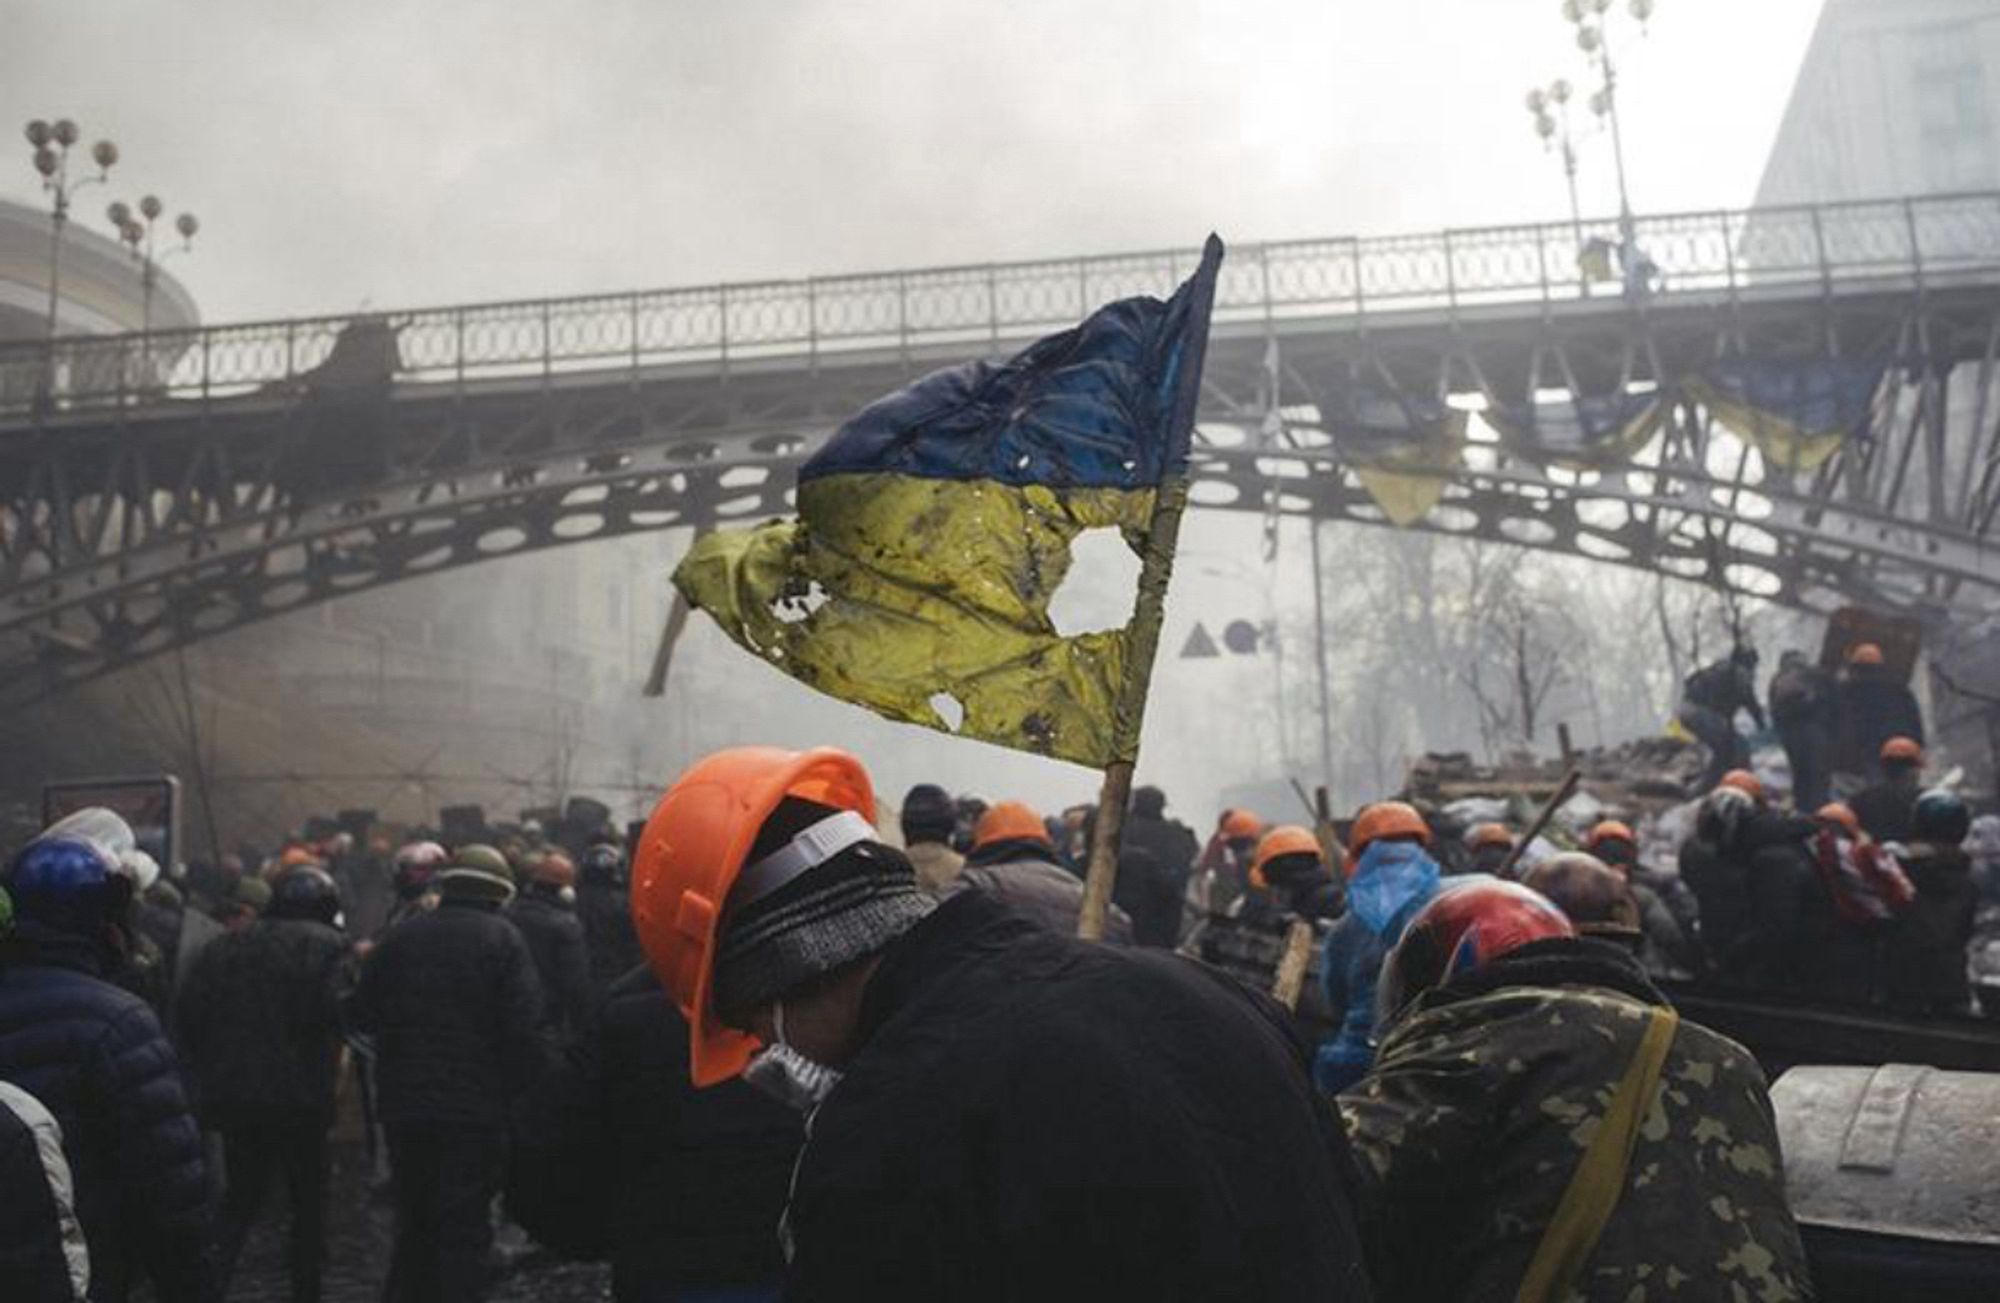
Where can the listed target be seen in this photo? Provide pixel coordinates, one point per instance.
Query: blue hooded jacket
(1391, 883)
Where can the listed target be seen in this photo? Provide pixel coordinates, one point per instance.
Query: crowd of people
(767, 1043)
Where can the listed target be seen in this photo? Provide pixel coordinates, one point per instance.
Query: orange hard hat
(1241, 825)
(689, 857)
(1489, 834)
(1609, 830)
(1387, 819)
(1902, 748)
(1009, 821)
(1864, 653)
(553, 869)
(1840, 813)
(1289, 839)
(294, 856)
(1745, 782)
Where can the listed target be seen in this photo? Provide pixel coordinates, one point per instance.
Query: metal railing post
(458, 347)
(903, 315)
(634, 351)
(1916, 244)
(548, 341)
(1360, 287)
(993, 302)
(1450, 275)
(291, 350)
(206, 338)
(722, 324)
(812, 322)
(1728, 253)
(1819, 243)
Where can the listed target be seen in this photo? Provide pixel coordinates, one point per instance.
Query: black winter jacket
(608, 938)
(1031, 1117)
(259, 1018)
(451, 998)
(1754, 897)
(1155, 857)
(555, 941)
(1887, 809)
(95, 1056)
(616, 1155)
(1926, 970)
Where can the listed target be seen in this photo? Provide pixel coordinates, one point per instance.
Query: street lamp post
(51, 142)
(1550, 106)
(1592, 20)
(137, 231)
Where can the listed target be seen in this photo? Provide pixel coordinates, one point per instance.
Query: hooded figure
(1390, 877)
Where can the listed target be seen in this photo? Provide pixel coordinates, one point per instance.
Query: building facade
(1895, 98)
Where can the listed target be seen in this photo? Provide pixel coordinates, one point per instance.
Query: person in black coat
(1028, 1116)
(1926, 969)
(1804, 712)
(259, 1019)
(1155, 856)
(1751, 868)
(608, 939)
(617, 1157)
(43, 1257)
(1711, 698)
(1887, 807)
(1874, 706)
(97, 1059)
(452, 1002)
(999, 1111)
(545, 913)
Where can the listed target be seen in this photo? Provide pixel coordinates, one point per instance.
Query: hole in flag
(948, 710)
(1098, 591)
(792, 610)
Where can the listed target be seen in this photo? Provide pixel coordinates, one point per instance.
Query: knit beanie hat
(929, 814)
(844, 908)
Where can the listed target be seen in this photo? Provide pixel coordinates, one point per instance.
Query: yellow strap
(1599, 1179)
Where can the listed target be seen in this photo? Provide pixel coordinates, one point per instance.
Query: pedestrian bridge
(1796, 403)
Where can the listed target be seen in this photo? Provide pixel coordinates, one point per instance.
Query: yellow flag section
(907, 589)
(935, 528)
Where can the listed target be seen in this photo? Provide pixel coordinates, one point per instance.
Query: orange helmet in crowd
(1609, 830)
(692, 852)
(1745, 782)
(1902, 750)
(1382, 821)
(1289, 839)
(1485, 835)
(1865, 653)
(553, 869)
(1009, 821)
(1838, 812)
(1240, 826)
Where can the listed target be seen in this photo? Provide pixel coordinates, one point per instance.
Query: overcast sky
(446, 150)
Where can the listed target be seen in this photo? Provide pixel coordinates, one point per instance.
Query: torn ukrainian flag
(935, 527)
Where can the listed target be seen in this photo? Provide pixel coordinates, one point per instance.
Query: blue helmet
(69, 883)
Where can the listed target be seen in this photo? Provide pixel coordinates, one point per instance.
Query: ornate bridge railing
(1909, 241)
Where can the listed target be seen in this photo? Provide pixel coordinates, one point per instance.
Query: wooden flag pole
(1129, 714)
(1142, 641)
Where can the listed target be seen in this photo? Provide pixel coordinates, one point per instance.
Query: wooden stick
(1156, 570)
(670, 637)
(1292, 967)
(1562, 794)
(1149, 613)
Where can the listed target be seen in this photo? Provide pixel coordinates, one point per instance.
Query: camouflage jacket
(1484, 1097)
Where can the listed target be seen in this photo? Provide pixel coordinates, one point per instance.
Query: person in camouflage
(1506, 1038)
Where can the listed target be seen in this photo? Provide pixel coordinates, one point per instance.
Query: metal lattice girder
(136, 523)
